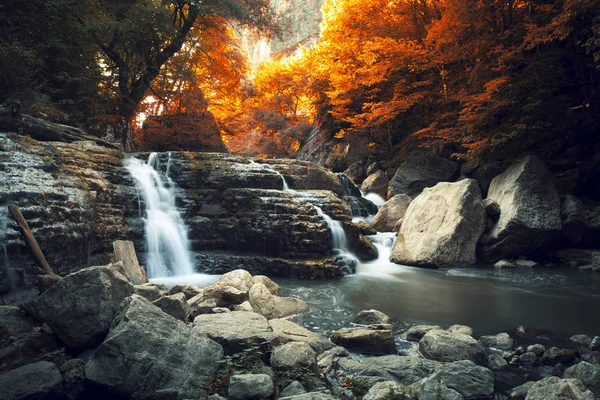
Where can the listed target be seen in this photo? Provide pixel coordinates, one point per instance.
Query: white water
(167, 244)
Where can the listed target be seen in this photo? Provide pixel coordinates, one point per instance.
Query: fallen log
(42, 130)
(47, 276)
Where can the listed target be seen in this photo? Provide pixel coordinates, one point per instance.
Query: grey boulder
(470, 380)
(389, 390)
(448, 347)
(288, 331)
(370, 339)
(41, 380)
(376, 183)
(390, 213)
(554, 388)
(250, 386)
(148, 353)
(371, 317)
(587, 373)
(294, 356)
(403, 369)
(81, 307)
(265, 303)
(442, 226)
(501, 341)
(175, 305)
(419, 171)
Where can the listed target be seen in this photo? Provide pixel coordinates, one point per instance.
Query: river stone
(520, 392)
(537, 349)
(175, 305)
(290, 331)
(470, 380)
(587, 373)
(369, 339)
(149, 292)
(245, 306)
(264, 303)
(235, 331)
(328, 359)
(554, 388)
(14, 321)
(441, 226)
(555, 355)
(595, 345)
(41, 380)
(448, 347)
(419, 171)
(189, 291)
(497, 362)
(501, 341)
(581, 341)
(402, 369)
(376, 183)
(265, 280)
(80, 308)
(492, 209)
(390, 213)
(148, 353)
(294, 356)
(293, 389)
(465, 330)
(371, 317)
(416, 332)
(389, 390)
(430, 388)
(199, 305)
(357, 172)
(530, 210)
(250, 386)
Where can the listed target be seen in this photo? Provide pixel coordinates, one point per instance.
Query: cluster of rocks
(95, 335)
(451, 215)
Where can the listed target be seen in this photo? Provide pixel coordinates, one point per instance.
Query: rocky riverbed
(95, 335)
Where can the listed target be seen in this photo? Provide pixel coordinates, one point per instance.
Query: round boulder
(448, 347)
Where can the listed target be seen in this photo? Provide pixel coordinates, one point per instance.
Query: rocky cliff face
(78, 198)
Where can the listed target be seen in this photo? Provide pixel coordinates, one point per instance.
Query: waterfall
(167, 244)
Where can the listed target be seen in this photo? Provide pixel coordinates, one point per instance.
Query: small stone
(245, 306)
(220, 310)
(250, 386)
(497, 362)
(528, 358)
(294, 356)
(188, 290)
(505, 264)
(520, 392)
(389, 390)
(465, 330)
(555, 355)
(526, 263)
(537, 349)
(369, 339)
(500, 341)
(293, 389)
(371, 317)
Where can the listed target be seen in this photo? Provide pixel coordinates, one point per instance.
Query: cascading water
(167, 244)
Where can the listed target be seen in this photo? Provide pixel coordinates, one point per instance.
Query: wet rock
(369, 339)
(364, 228)
(530, 210)
(268, 282)
(415, 333)
(529, 358)
(403, 369)
(389, 390)
(390, 213)
(501, 341)
(465, 330)
(74, 381)
(376, 183)
(264, 303)
(250, 386)
(373, 167)
(468, 379)
(199, 305)
(555, 355)
(497, 362)
(595, 346)
(492, 209)
(505, 264)
(587, 373)
(581, 341)
(41, 380)
(235, 331)
(13, 321)
(328, 359)
(80, 308)
(371, 317)
(294, 356)
(293, 389)
(149, 353)
(245, 306)
(447, 347)
(575, 224)
(189, 291)
(520, 392)
(554, 388)
(290, 331)
(537, 349)
(421, 170)
(441, 226)
(175, 305)
(593, 357)
(434, 389)
(357, 172)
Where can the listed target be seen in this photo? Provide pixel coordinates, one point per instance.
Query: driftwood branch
(40, 129)
(47, 277)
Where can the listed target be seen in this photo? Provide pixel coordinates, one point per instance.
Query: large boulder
(419, 171)
(376, 183)
(13, 321)
(232, 288)
(357, 172)
(369, 339)
(448, 347)
(529, 210)
(441, 226)
(403, 369)
(390, 213)
(554, 388)
(588, 374)
(41, 380)
(175, 305)
(289, 331)
(294, 356)
(236, 330)
(470, 380)
(265, 303)
(81, 307)
(148, 353)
